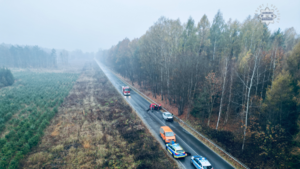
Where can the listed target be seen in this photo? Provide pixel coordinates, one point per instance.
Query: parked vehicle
(167, 134)
(154, 106)
(167, 116)
(176, 150)
(201, 162)
(126, 90)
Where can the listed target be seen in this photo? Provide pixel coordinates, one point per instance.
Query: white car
(201, 162)
(167, 116)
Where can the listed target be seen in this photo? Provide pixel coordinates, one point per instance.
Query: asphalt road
(187, 141)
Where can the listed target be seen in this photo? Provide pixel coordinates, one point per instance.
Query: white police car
(201, 162)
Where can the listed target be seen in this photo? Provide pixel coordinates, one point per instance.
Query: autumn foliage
(239, 78)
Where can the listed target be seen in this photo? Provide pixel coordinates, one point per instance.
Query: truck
(126, 90)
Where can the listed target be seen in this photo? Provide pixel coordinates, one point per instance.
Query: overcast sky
(89, 25)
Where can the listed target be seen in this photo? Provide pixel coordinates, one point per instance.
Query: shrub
(2, 142)
(7, 116)
(34, 140)
(25, 149)
(2, 127)
(13, 164)
(6, 77)
(27, 135)
(19, 155)
(3, 162)
(10, 135)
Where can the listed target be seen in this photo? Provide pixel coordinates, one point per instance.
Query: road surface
(187, 141)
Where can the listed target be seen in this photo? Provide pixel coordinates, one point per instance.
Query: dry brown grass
(55, 133)
(57, 148)
(39, 158)
(56, 130)
(86, 144)
(79, 136)
(295, 151)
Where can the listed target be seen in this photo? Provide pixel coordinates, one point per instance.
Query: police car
(201, 162)
(176, 150)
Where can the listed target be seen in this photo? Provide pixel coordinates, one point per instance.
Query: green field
(26, 108)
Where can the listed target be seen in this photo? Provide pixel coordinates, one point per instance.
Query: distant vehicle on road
(167, 134)
(200, 162)
(126, 90)
(176, 150)
(167, 116)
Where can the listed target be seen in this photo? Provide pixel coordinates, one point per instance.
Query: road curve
(188, 142)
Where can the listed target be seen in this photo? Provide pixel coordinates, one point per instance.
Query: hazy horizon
(92, 25)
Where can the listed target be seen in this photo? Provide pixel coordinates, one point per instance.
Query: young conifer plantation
(26, 109)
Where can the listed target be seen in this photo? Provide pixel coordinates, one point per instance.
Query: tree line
(36, 57)
(234, 71)
(26, 57)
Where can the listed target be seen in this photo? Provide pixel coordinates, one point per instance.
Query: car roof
(176, 146)
(167, 113)
(166, 128)
(203, 161)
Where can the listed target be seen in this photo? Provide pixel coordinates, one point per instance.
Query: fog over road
(154, 120)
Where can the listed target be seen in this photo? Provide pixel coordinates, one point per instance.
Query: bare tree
(223, 90)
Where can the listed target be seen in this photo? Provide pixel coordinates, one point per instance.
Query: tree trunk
(161, 86)
(223, 89)
(262, 87)
(228, 106)
(248, 97)
(210, 111)
(274, 65)
(214, 49)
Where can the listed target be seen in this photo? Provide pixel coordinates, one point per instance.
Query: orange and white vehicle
(167, 134)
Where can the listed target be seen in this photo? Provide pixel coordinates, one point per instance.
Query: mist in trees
(26, 57)
(37, 57)
(239, 73)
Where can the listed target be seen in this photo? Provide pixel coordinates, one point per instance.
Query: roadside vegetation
(95, 128)
(26, 108)
(236, 82)
(6, 77)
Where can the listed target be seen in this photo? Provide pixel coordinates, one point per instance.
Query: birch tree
(216, 33)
